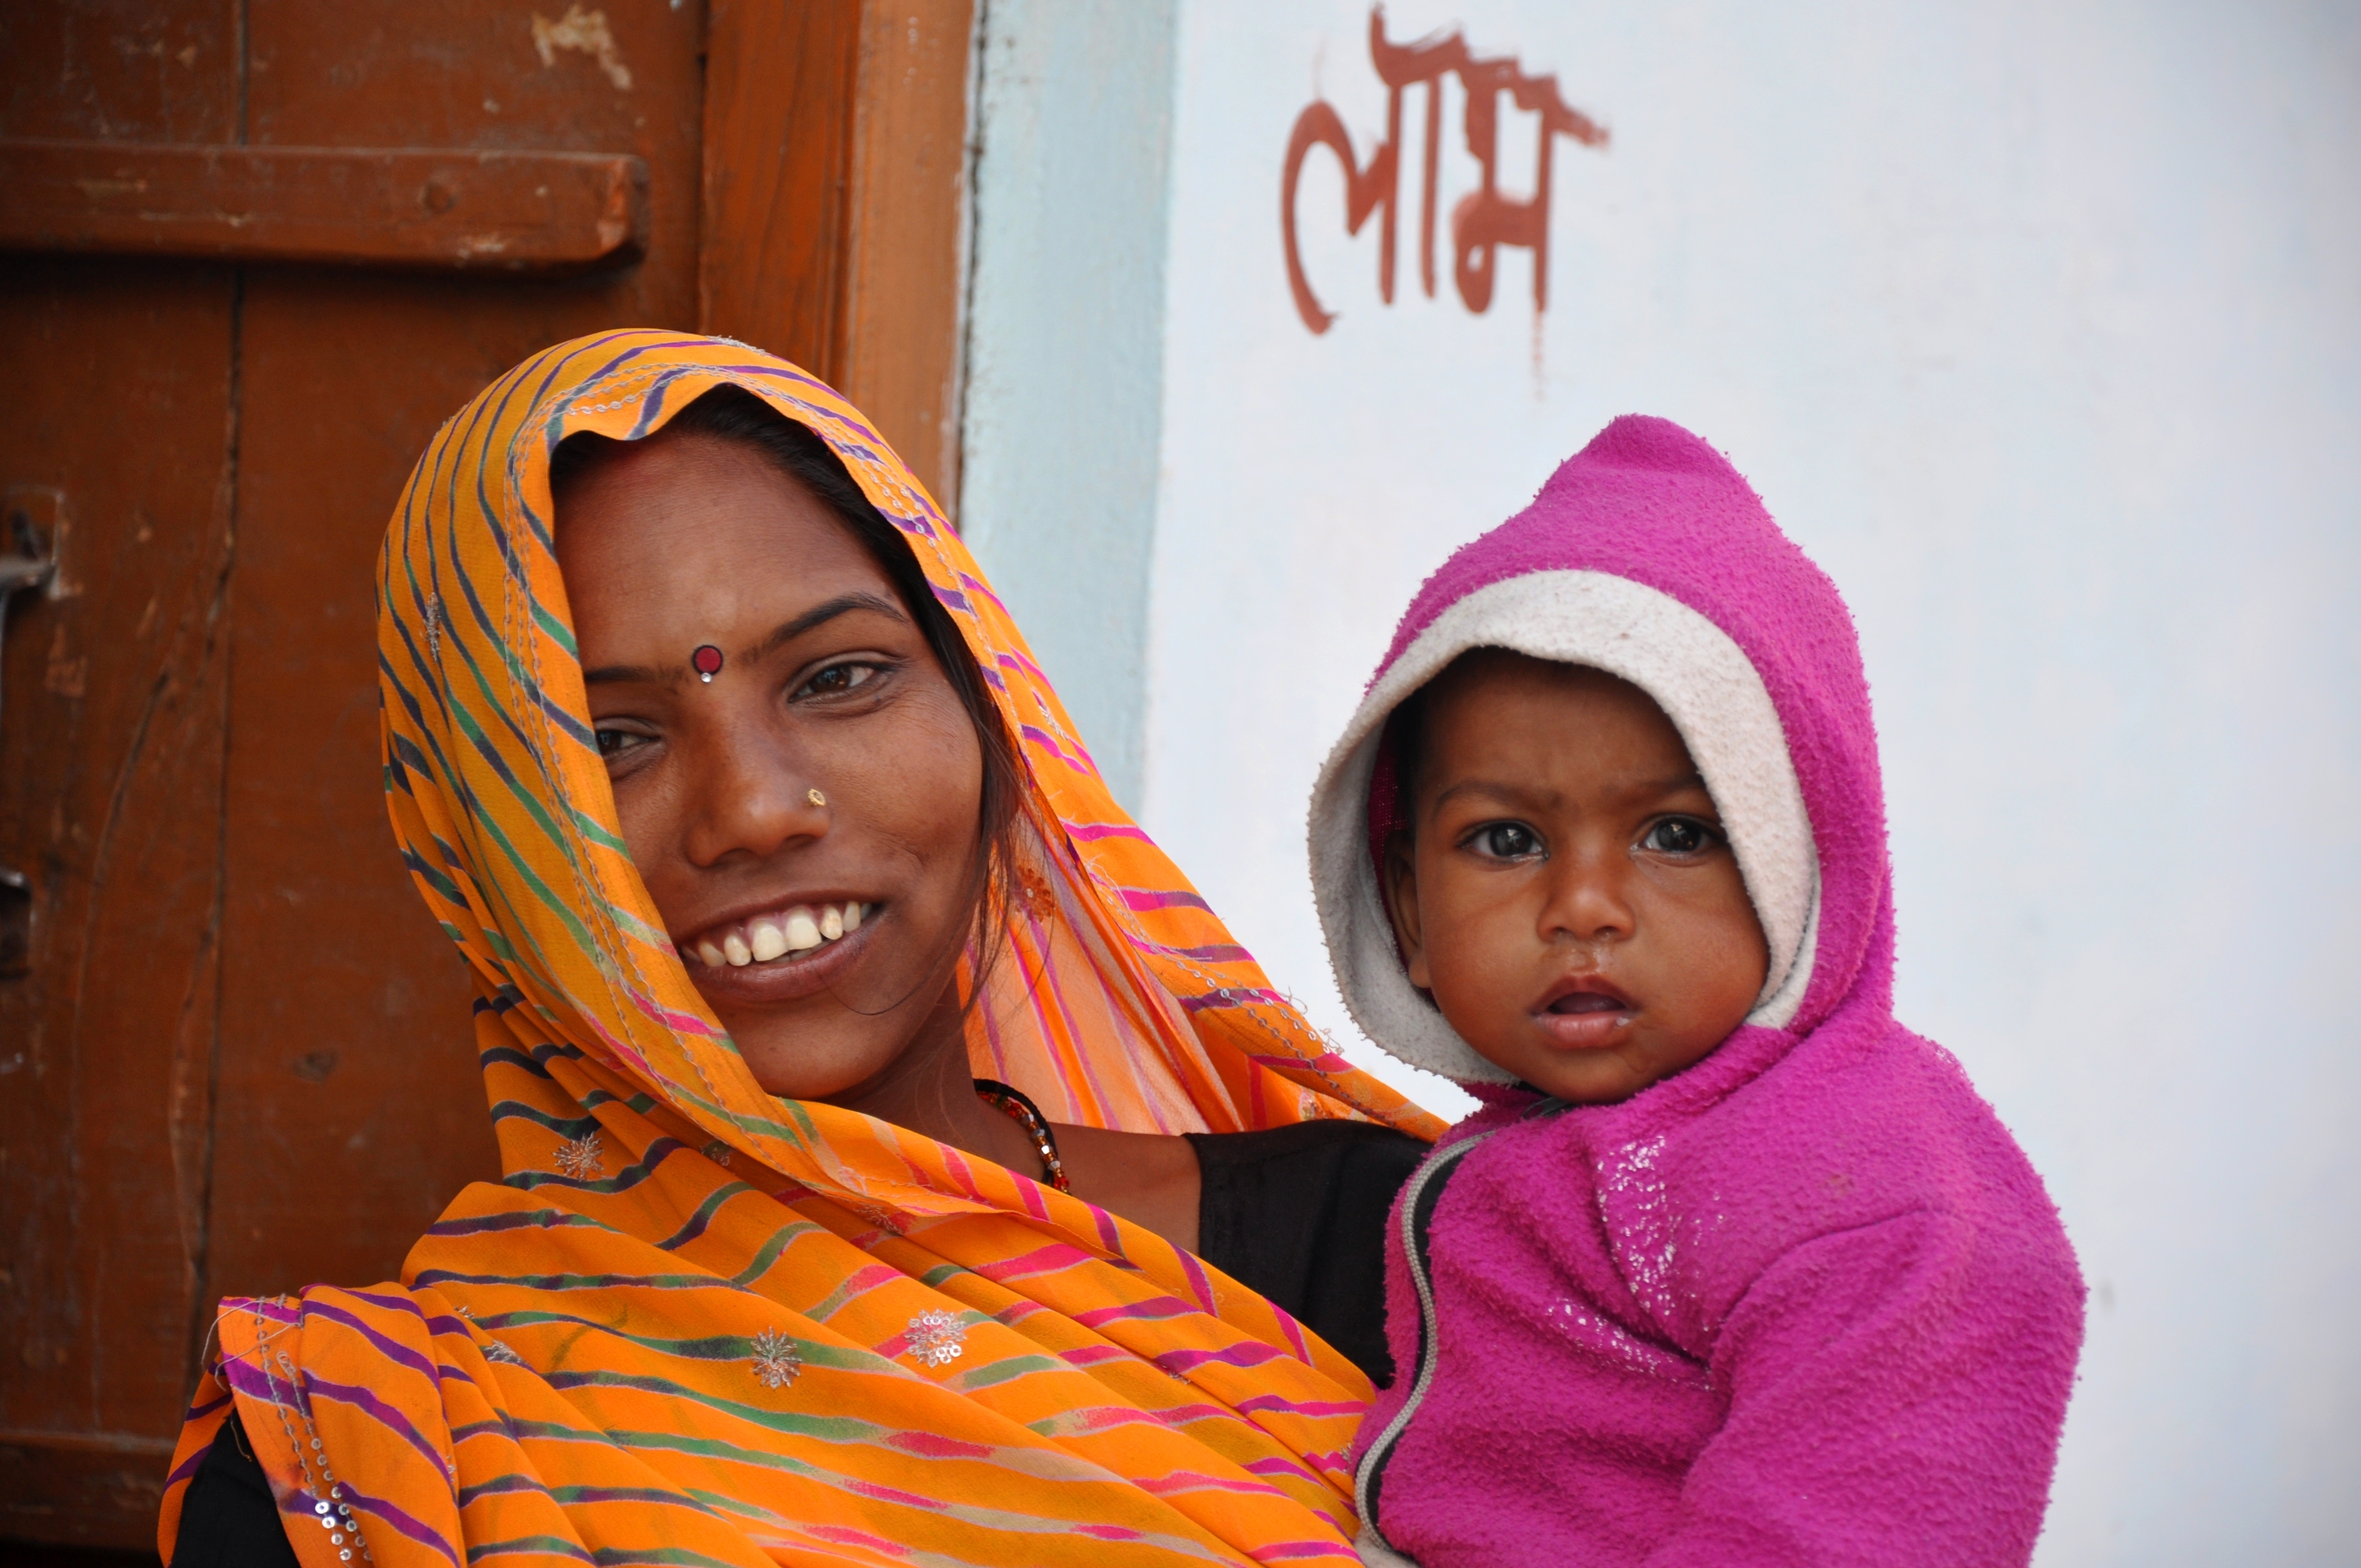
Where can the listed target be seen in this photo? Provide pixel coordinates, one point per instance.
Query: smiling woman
(902, 1161)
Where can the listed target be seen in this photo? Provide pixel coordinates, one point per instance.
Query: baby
(1730, 1268)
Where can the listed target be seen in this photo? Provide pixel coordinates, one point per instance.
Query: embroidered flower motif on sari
(581, 1158)
(776, 1359)
(937, 1339)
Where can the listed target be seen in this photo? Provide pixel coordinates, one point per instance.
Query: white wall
(2040, 326)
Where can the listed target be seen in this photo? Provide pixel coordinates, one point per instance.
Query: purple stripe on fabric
(1306, 1552)
(955, 1163)
(1276, 1464)
(1271, 1404)
(392, 1348)
(1200, 1283)
(1191, 1481)
(1154, 1310)
(400, 1519)
(1212, 953)
(187, 1468)
(894, 1495)
(1048, 743)
(1092, 1355)
(385, 1415)
(845, 1535)
(1295, 1340)
(1022, 663)
(1085, 1061)
(678, 1021)
(1242, 1355)
(1141, 900)
(535, 1220)
(1108, 1234)
(1238, 996)
(1090, 832)
(1327, 1061)
(1048, 1258)
(978, 587)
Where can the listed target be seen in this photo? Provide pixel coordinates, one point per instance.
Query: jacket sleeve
(1895, 1396)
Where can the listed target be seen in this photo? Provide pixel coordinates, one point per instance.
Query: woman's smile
(791, 928)
(784, 953)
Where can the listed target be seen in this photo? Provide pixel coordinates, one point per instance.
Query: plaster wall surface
(2039, 327)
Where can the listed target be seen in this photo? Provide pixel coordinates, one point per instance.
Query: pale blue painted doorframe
(1063, 415)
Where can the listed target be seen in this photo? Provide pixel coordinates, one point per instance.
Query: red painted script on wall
(1484, 219)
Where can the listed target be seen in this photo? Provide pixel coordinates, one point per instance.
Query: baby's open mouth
(1587, 1001)
(760, 938)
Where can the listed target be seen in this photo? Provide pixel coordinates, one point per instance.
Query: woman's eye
(1506, 840)
(837, 679)
(615, 742)
(1680, 836)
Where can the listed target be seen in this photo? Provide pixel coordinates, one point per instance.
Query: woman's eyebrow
(818, 615)
(822, 613)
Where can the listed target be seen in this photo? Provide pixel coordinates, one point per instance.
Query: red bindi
(707, 661)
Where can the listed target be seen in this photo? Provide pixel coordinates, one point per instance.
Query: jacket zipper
(1417, 1228)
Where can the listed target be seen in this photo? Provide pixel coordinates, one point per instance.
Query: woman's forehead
(695, 536)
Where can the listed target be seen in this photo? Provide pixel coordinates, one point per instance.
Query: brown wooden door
(256, 250)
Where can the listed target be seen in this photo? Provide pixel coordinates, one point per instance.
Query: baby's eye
(1505, 840)
(1680, 836)
(837, 679)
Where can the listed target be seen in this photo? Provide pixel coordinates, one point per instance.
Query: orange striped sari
(699, 1324)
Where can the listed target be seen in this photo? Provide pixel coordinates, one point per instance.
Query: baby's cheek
(1479, 977)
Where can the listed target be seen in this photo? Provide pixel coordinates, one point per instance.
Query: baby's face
(1568, 896)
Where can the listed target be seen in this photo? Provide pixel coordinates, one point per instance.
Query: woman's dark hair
(733, 414)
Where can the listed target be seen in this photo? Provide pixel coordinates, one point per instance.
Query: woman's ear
(1400, 885)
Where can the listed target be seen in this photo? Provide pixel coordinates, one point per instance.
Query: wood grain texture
(455, 209)
(907, 256)
(836, 156)
(113, 740)
(778, 160)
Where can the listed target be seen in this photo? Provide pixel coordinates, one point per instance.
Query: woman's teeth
(768, 936)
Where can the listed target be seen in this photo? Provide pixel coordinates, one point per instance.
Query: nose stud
(815, 797)
(707, 662)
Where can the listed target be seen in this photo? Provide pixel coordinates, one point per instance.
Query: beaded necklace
(1013, 1104)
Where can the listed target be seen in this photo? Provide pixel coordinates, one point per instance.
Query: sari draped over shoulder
(694, 1323)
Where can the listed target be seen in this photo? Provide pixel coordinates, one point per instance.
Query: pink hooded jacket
(1804, 1303)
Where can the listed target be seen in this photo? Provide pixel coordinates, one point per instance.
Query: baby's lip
(1576, 994)
(1585, 1013)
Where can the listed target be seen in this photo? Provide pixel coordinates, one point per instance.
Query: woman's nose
(748, 796)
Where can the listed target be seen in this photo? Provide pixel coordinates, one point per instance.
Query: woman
(840, 1032)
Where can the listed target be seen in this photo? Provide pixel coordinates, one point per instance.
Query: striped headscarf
(696, 1323)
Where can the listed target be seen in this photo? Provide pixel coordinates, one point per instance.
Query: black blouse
(1298, 1213)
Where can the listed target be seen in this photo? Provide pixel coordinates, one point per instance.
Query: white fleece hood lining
(1707, 686)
